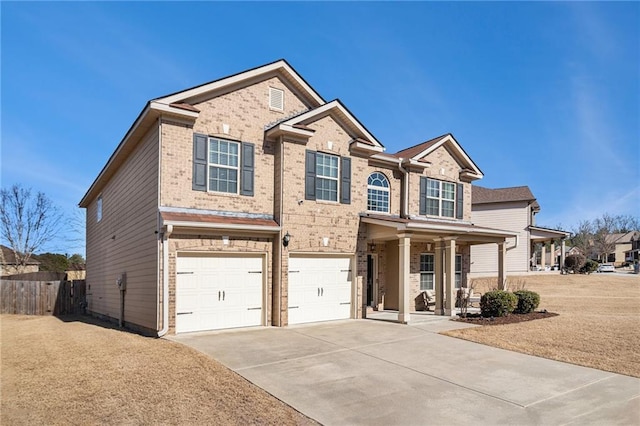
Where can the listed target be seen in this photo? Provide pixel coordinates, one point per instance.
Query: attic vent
(276, 99)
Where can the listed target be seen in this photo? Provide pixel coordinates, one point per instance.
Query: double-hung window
(223, 165)
(440, 198)
(378, 193)
(458, 276)
(326, 177)
(427, 271)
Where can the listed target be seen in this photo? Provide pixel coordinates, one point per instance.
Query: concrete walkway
(381, 373)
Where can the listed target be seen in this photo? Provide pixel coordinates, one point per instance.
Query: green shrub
(497, 303)
(528, 301)
(574, 262)
(589, 267)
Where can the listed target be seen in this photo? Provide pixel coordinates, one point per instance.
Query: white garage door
(218, 292)
(319, 289)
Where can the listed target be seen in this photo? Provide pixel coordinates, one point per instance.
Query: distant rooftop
(481, 195)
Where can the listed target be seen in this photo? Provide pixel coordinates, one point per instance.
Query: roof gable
(336, 110)
(418, 152)
(280, 68)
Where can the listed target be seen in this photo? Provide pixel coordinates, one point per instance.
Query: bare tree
(582, 237)
(27, 221)
(603, 239)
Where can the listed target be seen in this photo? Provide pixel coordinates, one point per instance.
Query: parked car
(606, 267)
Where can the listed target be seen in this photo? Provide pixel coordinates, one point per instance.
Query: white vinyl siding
(125, 242)
(510, 217)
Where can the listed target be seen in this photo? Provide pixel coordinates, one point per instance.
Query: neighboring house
(633, 254)
(513, 209)
(10, 266)
(624, 245)
(76, 271)
(250, 200)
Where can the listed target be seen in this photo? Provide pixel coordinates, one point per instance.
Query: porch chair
(428, 299)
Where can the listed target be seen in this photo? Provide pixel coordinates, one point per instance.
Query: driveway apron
(381, 373)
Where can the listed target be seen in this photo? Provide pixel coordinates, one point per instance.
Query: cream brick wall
(443, 167)
(246, 111)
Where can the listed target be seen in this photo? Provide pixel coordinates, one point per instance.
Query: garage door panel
(319, 289)
(218, 292)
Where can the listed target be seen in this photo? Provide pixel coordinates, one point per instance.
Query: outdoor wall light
(286, 239)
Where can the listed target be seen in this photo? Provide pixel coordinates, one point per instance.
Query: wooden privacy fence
(42, 297)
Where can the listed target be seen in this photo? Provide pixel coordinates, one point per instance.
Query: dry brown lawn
(75, 372)
(598, 324)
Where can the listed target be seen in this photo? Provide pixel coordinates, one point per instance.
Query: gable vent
(276, 99)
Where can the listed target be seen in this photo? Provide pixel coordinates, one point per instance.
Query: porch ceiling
(545, 234)
(385, 228)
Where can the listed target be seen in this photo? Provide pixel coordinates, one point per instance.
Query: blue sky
(539, 94)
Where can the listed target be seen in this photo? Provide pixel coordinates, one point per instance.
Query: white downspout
(165, 280)
(404, 204)
(517, 243)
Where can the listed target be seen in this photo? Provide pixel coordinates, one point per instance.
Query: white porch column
(553, 254)
(438, 273)
(563, 254)
(404, 256)
(502, 276)
(543, 256)
(450, 277)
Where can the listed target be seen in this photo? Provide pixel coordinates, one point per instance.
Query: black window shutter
(423, 195)
(310, 175)
(460, 201)
(345, 180)
(199, 181)
(247, 165)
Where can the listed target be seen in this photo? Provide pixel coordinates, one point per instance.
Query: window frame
(99, 203)
(425, 272)
(386, 190)
(439, 198)
(210, 164)
(321, 177)
(458, 271)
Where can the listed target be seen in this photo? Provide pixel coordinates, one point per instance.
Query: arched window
(378, 193)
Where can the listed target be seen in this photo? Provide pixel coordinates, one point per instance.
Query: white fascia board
(365, 147)
(222, 226)
(326, 108)
(162, 107)
(196, 91)
(415, 163)
(387, 159)
(456, 229)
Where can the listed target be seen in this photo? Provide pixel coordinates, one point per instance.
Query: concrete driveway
(381, 373)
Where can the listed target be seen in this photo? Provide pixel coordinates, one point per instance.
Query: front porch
(408, 256)
(543, 261)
